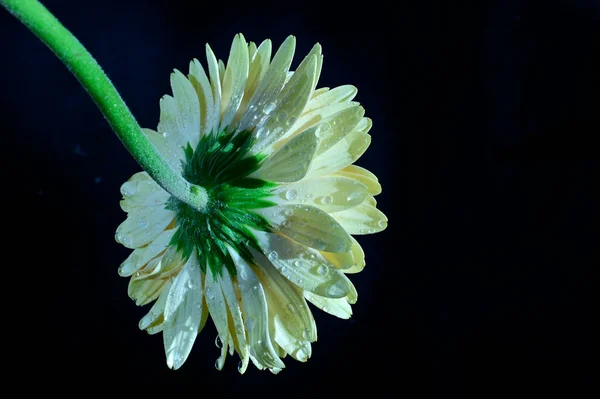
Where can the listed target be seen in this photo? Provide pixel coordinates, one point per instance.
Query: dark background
(485, 118)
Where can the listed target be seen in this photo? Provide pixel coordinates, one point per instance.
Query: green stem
(85, 68)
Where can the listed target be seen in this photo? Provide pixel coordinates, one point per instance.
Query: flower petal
(362, 175)
(218, 311)
(288, 107)
(215, 84)
(337, 126)
(330, 193)
(142, 191)
(338, 307)
(345, 152)
(236, 317)
(168, 149)
(156, 312)
(183, 312)
(362, 219)
(309, 226)
(208, 114)
(255, 314)
(270, 85)
(141, 256)
(143, 226)
(339, 94)
(291, 162)
(303, 266)
(180, 114)
(234, 80)
(258, 68)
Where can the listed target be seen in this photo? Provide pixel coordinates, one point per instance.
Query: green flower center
(221, 164)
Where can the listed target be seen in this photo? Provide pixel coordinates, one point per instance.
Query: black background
(485, 116)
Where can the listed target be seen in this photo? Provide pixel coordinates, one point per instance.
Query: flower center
(221, 163)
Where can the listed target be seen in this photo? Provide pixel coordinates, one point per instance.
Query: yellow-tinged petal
(362, 219)
(218, 311)
(208, 113)
(235, 313)
(303, 266)
(288, 107)
(362, 175)
(256, 316)
(345, 152)
(262, 102)
(323, 98)
(234, 80)
(156, 312)
(309, 226)
(215, 84)
(141, 256)
(143, 226)
(291, 162)
(359, 258)
(338, 126)
(182, 313)
(338, 307)
(330, 193)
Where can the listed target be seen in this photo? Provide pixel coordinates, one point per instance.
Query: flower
(275, 157)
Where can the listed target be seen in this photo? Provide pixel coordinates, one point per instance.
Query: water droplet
(326, 200)
(297, 263)
(282, 116)
(302, 354)
(218, 343)
(259, 342)
(240, 366)
(291, 194)
(273, 256)
(288, 212)
(165, 134)
(353, 196)
(286, 223)
(143, 223)
(269, 108)
(322, 270)
(306, 334)
(337, 289)
(218, 364)
(283, 269)
(291, 308)
(190, 284)
(210, 294)
(250, 323)
(243, 274)
(382, 224)
(291, 121)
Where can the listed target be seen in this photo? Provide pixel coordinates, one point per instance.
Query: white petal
(144, 291)
(337, 126)
(362, 175)
(236, 316)
(288, 107)
(330, 193)
(183, 125)
(291, 162)
(303, 266)
(215, 83)
(337, 95)
(255, 314)
(268, 89)
(218, 311)
(143, 226)
(141, 256)
(359, 258)
(156, 312)
(142, 191)
(345, 152)
(258, 69)
(234, 79)
(309, 226)
(208, 113)
(183, 312)
(362, 219)
(313, 118)
(335, 306)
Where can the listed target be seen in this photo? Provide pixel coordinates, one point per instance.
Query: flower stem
(85, 68)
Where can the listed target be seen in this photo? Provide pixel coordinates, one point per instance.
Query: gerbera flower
(275, 157)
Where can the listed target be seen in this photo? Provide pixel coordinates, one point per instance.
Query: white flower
(275, 156)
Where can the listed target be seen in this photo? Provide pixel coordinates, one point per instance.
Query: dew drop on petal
(286, 223)
(243, 274)
(291, 194)
(283, 269)
(291, 308)
(382, 223)
(273, 256)
(218, 343)
(336, 289)
(325, 200)
(288, 212)
(306, 334)
(322, 270)
(353, 196)
(143, 223)
(129, 188)
(269, 108)
(240, 366)
(291, 121)
(297, 263)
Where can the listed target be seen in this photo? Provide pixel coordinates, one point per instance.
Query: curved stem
(85, 68)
